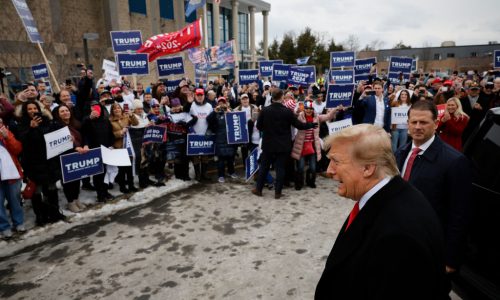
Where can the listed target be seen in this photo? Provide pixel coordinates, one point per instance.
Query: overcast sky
(414, 22)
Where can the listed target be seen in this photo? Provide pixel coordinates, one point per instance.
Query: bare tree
(352, 43)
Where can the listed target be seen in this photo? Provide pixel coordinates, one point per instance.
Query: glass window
(137, 6)
(210, 25)
(243, 32)
(450, 55)
(473, 54)
(437, 56)
(167, 9)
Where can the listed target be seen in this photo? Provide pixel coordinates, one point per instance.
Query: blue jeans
(11, 192)
(221, 162)
(311, 159)
(398, 138)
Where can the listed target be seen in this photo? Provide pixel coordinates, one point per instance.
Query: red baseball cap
(199, 92)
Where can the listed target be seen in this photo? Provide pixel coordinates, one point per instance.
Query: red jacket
(14, 147)
(451, 131)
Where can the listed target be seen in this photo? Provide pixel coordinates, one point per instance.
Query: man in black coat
(442, 174)
(275, 123)
(391, 246)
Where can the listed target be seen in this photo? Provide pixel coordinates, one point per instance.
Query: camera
(37, 114)
(370, 93)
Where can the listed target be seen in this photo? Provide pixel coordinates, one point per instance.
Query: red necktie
(409, 165)
(354, 213)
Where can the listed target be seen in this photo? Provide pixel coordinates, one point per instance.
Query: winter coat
(14, 147)
(217, 124)
(98, 131)
(118, 124)
(301, 135)
(451, 131)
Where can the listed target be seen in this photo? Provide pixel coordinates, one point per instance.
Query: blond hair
(459, 112)
(369, 144)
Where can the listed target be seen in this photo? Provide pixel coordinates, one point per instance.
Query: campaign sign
(358, 78)
(337, 126)
(399, 115)
(200, 73)
(124, 41)
(441, 108)
(248, 76)
(395, 78)
(132, 64)
(170, 66)
(339, 94)
(75, 166)
(340, 59)
(57, 142)
(200, 144)
(496, 57)
(414, 65)
(40, 71)
(171, 85)
(341, 76)
(363, 66)
(280, 72)
(154, 134)
(108, 65)
(237, 128)
(27, 18)
(301, 75)
(251, 164)
(400, 64)
(266, 66)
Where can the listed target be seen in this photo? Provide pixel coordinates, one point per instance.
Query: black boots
(299, 180)
(311, 179)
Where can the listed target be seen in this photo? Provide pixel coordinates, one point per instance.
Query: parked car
(479, 278)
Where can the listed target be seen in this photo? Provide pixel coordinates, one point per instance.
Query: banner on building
(40, 71)
(124, 41)
(337, 126)
(363, 66)
(339, 94)
(200, 74)
(341, 76)
(170, 66)
(132, 64)
(342, 59)
(248, 76)
(154, 134)
(75, 166)
(280, 72)
(28, 22)
(200, 144)
(193, 5)
(399, 115)
(174, 42)
(58, 141)
(221, 57)
(251, 164)
(302, 75)
(237, 128)
(266, 66)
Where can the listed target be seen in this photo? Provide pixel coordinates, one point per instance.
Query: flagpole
(205, 26)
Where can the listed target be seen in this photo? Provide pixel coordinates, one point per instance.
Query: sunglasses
(155, 106)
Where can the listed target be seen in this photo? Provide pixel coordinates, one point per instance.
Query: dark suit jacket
(275, 122)
(369, 106)
(444, 176)
(392, 250)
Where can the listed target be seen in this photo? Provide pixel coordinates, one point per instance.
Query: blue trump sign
(248, 76)
(40, 71)
(358, 78)
(301, 75)
(154, 134)
(280, 72)
(124, 41)
(400, 64)
(200, 144)
(363, 66)
(496, 58)
(75, 166)
(341, 76)
(170, 66)
(339, 94)
(340, 59)
(132, 64)
(251, 164)
(237, 129)
(27, 18)
(171, 85)
(266, 66)
(397, 78)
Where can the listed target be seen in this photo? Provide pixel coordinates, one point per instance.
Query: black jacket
(275, 122)
(392, 250)
(97, 132)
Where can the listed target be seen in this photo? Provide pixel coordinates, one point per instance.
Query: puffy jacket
(117, 125)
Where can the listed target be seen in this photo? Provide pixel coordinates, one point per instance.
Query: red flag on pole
(173, 42)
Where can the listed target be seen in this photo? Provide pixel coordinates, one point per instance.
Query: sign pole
(56, 86)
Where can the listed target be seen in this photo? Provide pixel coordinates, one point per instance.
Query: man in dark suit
(391, 246)
(275, 123)
(376, 108)
(475, 105)
(442, 174)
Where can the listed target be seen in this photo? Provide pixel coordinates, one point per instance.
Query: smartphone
(370, 93)
(68, 81)
(37, 114)
(125, 107)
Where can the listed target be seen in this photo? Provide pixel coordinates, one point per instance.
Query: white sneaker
(73, 207)
(80, 205)
(222, 180)
(234, 176)
(7, 233)
(20, 228)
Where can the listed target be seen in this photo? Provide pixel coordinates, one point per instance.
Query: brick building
(63, 26)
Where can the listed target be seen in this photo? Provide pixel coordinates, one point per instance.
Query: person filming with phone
(375, 107)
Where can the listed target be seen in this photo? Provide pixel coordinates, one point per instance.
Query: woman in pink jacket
(307, 145)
